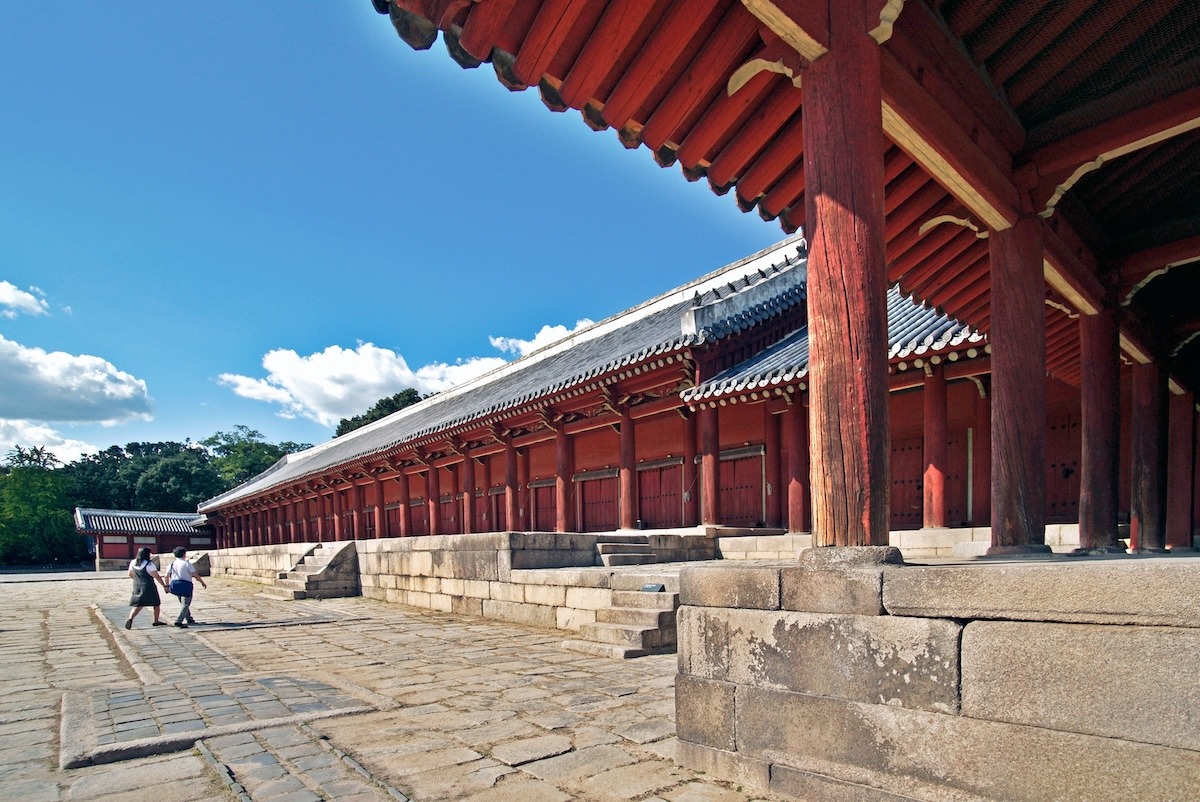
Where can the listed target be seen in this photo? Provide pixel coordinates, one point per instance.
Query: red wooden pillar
(796, 434)
(563, 482)
(339, 532)
(1147, 501)
(1018, 336)
(691, 482)
(433, 497)
(403, 498)
(468, 494)
(937, 432)
(710, 466)
(627, 474)
(523, 495)
(981, 459)
(380, 512)
(1100, 422)
(847, 283)
(1181, 461)
(359, 510)
(320, 516)
(773, 467)
(511, 486)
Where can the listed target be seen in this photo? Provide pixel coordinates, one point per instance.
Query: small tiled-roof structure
(119, 534)
(722, 304)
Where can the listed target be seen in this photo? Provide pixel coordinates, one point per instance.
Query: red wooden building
(1028, 168)
(118, 534)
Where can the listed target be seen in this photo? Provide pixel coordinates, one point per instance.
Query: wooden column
(380, 512)
(773, 467)
(1181, 461)
(433, 497)
(847, 283)
(627, 481)
(1100, 424)
(512, 487)
(468, 494)
(525, 512)
(1147, 499)
(796, 435)
(981, 458)
(403, 499)
(564, 501)
(710, 466)
(339, 527)
(1018, 338)
(359, 511)
(937, 432)
(691, 476)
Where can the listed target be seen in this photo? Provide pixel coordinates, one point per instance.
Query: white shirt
(151, 568)
(181, 569)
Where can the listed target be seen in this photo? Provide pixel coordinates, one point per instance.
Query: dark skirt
(145, 594)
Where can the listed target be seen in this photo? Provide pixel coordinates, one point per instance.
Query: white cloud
(41, 386)
(14, 300)
(27, 434)
(547, 335)
(340, 382)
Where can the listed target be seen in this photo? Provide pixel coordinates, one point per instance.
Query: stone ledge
(1151, 591)
(741, 586)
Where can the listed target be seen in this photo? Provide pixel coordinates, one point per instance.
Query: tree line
(39, 493)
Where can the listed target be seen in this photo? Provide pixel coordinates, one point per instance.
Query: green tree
(108, 480)
(36, 525)
(383, 407)
(179, 482)
(242, 453)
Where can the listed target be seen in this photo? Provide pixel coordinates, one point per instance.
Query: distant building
(118, 534)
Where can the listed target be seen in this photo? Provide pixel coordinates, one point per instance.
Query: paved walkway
(297, 701)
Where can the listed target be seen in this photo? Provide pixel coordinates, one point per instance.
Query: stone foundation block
(730, 586)
(465, 564)
(797, 784)
(589, 598)
(551, 595)
(476, 589)
(704, 712)
(506, 591)
(466, 606)
(453, 587)
(754, 775)
(911, 663)
(838, 580)
(1137, 683)
(441, 602)
(1166, 590)
(531, 614)
(573, 619)
(935, 756)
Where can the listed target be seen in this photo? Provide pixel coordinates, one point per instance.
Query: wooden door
(598, 504)
(741, 488)
(660, 496)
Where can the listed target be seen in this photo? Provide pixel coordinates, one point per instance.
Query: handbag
(181, 587)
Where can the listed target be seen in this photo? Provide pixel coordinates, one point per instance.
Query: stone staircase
(327, 571)
(639, 622)
(629, 550)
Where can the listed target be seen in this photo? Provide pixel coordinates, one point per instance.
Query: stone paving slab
(335, 700)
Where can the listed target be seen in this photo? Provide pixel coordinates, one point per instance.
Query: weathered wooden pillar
(981, 458)
(564, 501)
(627, 473)
(484, 493)
(691, 478)
(404, 498)
(847, 283)
(1018, 337)
(433, 497)
(773, 467)
(1147, 498)
(339, 525)
(380, 514)
(937, 432)
(1100, 424)
(512, 486)
(710, 466)
(525, 511)
(468, 494)
(1181, 462)
(359, 511)
(796, 434)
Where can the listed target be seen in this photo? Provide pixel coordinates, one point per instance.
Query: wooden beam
(623, 22)
(1067, 274)
(550, 27)
(1137, 269)
(802, 24)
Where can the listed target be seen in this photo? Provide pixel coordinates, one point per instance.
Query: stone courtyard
(340, 699)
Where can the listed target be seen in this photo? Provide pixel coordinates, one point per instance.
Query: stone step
(645, 599)
(291, 583)
(638, 580)
(299, 575)
(638, 558)
(628, 635)
(610, 650)
(637, 616)
(622, 548)
(271, 591)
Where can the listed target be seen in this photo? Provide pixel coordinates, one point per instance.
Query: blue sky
(273, 215)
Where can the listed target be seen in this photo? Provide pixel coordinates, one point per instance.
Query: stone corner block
(705, 713)
(743, 587)
(852, 591)
(753, 774)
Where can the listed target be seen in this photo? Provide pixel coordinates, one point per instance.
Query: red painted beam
(1137, 267)
(550, 29)
(624, 22)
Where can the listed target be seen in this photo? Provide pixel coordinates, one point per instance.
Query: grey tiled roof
(913, 330)
(134, 522)
(721, 303)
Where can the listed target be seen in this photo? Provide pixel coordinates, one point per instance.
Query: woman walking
(144, 574)
(180, 576)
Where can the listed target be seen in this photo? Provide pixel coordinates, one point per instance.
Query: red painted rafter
(1136, 268)
(623, 23)
(547, 34)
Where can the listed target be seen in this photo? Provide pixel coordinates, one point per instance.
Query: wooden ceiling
(1087, 111)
